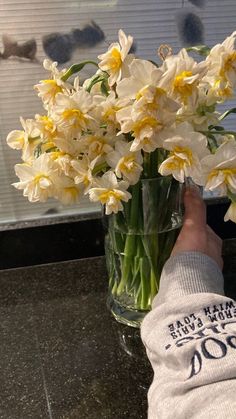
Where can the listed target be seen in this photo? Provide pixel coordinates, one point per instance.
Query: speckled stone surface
(62, 355)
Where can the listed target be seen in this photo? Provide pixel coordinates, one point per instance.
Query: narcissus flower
(127, 164)
(186, 149)
(116, 60)
(110, 192)
(48, 89)
(221, 74)
(71, 113)
(219, 169)
(182, 75)
(36, 178)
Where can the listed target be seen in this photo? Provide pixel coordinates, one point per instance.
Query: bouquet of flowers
(133, 119)
(96, 138)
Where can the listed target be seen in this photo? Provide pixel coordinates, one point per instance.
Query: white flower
(187, 148)
(182, 75)
(116, 60)
(144, 129)
(26, 139)
(200, 112)
(68, 145)
(65, 189)
(110, 192)
(71, 113)
(231, 213)
(97, 144)
(36, 178)
(142, 74)
(83, 172)
(46, 127)
(222, 66)
(219, 169)
(49, 88)
(17, 139)
(63, 162)
(127, 164)
(106, 110)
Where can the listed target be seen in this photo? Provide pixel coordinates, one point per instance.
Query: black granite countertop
(62, 355)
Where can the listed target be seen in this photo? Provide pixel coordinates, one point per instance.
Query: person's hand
(195, 234)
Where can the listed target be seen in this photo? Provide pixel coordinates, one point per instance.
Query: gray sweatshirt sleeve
(190, 338)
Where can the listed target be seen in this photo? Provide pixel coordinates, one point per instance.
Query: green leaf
(200, 49)
(225, 114)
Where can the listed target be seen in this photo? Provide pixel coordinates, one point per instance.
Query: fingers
(195, 209)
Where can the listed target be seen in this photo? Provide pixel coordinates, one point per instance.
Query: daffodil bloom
(144, 129)
(18, 139)
(97, 144)
(71, 113)
(219, 169)
(110, 192)
(36, 178)
(26, 139)
(83, 172)
(187, 148)
(201, 111)
(48, 89)
(106, 110)
(65, 189)
(182, 75)
(46, 126)
(222, 65)
(127, 164)
(231, 213)
(142, 74)
(116, 60)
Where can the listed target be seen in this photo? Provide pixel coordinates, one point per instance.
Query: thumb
(195, 210)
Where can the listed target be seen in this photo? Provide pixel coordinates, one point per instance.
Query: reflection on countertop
(62, 355)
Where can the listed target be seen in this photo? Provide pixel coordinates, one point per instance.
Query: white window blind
(150, 22)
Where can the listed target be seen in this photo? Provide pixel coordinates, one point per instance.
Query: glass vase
(138, 241)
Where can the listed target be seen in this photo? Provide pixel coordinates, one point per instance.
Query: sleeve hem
(189, 273)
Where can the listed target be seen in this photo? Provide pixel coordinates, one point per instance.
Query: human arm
(190, 335)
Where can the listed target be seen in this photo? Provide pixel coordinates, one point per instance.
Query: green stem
(146, 165)
(130, 240)
(75, 68)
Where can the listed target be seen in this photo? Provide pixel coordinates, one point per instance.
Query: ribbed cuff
(189, 273)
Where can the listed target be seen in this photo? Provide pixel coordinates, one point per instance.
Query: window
(151, 22)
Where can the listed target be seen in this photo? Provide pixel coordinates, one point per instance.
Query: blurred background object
(190, 28)
(60, 47)
(11, 48)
